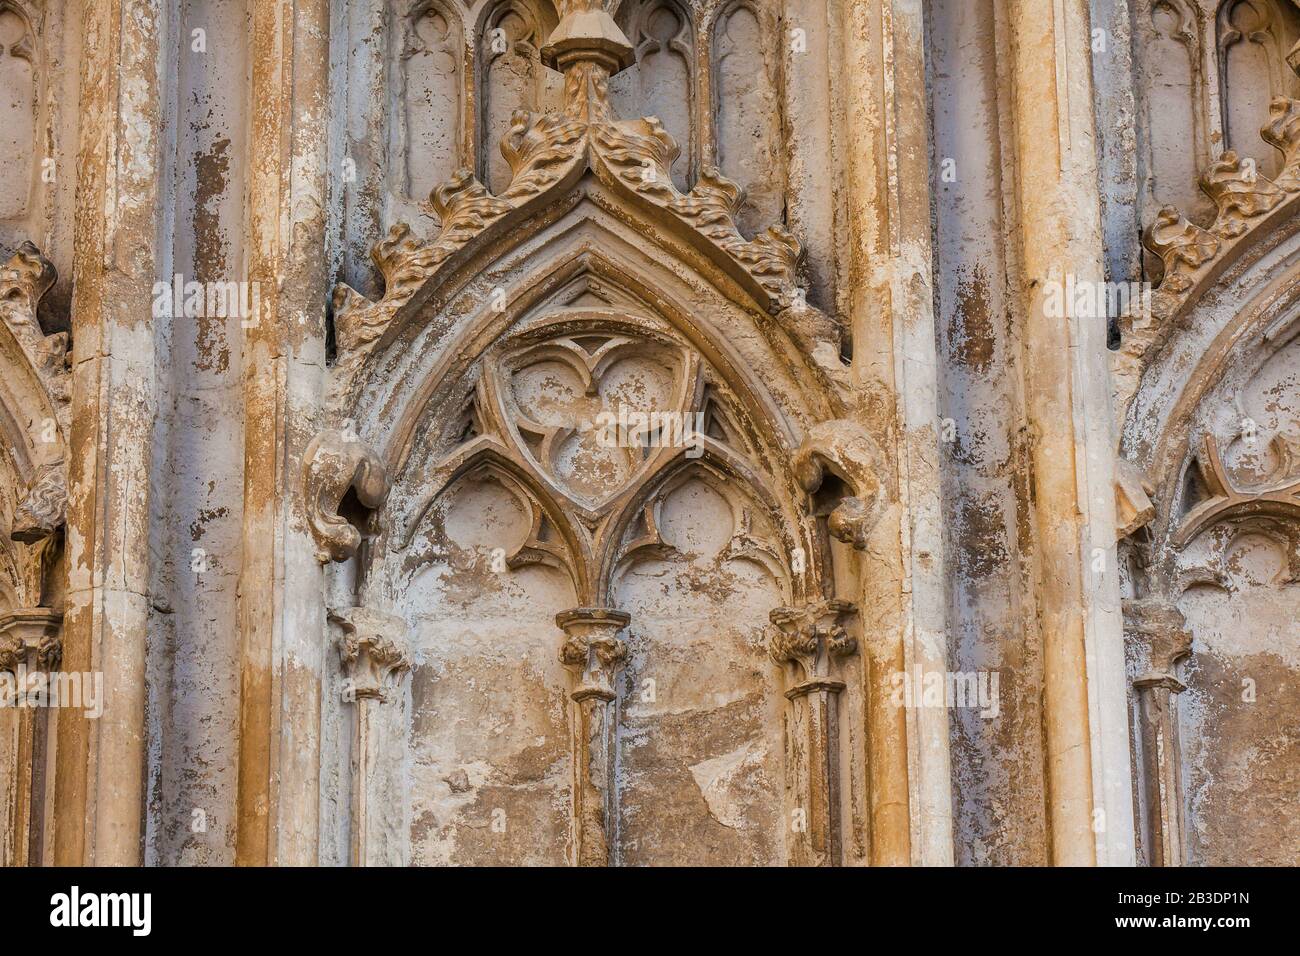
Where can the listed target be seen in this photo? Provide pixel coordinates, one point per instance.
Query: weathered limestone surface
(642, 432)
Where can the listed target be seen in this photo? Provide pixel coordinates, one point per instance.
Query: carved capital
(811, 637)
(335, 462)
(1133, 506)
(592, 648)
(843, 448)
(373, 650)
(31, 636)
(1160, 628)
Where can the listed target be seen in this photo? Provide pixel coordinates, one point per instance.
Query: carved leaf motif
(540, 149)
(810, 635)
(44, 507)
(1283, 132)
(406, 262)
(1183, 247)
(372, 649)
(546, 149)
(1239, 192)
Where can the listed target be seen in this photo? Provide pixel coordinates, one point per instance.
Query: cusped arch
(570, 251)
(639, 513)
(569, 552)
(509, 74)
(1233, 320)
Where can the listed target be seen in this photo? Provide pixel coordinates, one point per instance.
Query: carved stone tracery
(546, 151)
(591, 416)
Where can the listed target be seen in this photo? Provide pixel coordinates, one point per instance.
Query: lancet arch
(585, 375)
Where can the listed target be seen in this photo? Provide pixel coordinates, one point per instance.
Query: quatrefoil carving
(563, 402)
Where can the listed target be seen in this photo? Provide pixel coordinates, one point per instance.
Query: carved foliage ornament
(372, 649)
(24, 280)
(30, 636)
(1242, 196)
(551, 150)
(810, 637)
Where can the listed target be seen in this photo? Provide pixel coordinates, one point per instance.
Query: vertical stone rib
(1068, 408)
(1158, 631)
(30, 647)
(99, 781)
(281, 620)
(374, 658)
(809, 640)
(895, 369)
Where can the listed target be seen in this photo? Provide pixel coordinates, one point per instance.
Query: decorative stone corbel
(1133, 506)
(1158, 630)
(373, 651)
(594, 653)
(808, 642)
(844, 449)
(334, 462)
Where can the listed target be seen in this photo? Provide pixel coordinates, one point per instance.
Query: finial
(587, 33)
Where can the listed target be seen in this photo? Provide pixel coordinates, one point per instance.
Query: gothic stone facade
(650, 432)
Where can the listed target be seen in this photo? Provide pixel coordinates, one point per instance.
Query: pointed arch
(431, 129)
(664, 83)
(485, 454)
(796, 536)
